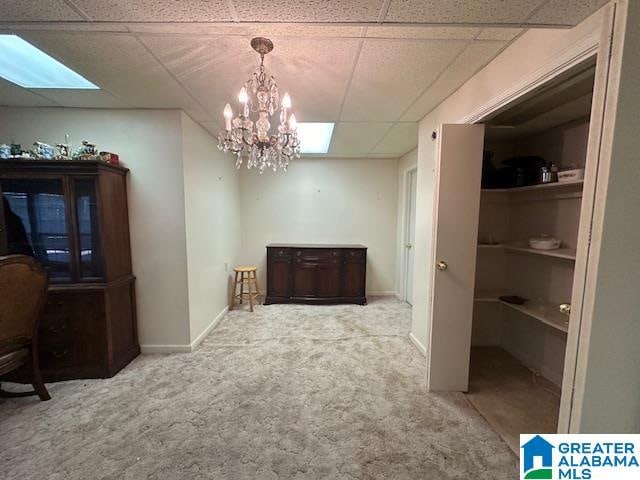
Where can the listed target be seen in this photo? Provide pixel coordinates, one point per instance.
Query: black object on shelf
(514, 299)
(523, 171)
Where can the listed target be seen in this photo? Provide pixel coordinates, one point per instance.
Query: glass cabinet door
(35, 218)
(88, 228)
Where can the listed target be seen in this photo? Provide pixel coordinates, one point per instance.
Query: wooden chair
(23, 284)
(247, 277)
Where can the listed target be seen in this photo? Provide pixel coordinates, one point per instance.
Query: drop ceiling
(374, 67)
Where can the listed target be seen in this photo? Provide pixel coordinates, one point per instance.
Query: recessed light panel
(315, 137)
(25, 65)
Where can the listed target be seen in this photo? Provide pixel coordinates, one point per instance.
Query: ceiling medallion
(252, 142)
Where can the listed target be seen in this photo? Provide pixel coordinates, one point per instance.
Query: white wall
(527, 57)
(149, 144)
(212, 214)
(324, 201)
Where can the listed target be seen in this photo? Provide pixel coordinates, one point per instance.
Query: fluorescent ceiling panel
(315, 137)
(25, 65)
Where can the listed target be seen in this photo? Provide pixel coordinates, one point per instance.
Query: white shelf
(487, 296)
(545, 312)
(561, 253)
(540, 186)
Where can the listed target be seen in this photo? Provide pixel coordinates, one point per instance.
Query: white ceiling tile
(468, 63)
(118, 64)
(315, 72)
(460, 11)
(190, 29)
(81, 98)
(71, 27)
(391, 74)
(423, 33)
(567, 12)
(155, 10)
(317, 31)
(402, 138)
(40, 10)
(287, 11)
(357, 138)
(499, 34)
(13, 95)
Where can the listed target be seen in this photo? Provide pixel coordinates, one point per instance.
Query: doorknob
(565, 308)
(408, 245)
(442, 265)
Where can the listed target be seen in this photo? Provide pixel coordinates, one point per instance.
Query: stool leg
(255, 279)
(250, 281)
(232, 301)
(241, 286)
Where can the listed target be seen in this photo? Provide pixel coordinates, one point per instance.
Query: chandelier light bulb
(243, 96)
(293, 123)
(228, 114)
(286, 101)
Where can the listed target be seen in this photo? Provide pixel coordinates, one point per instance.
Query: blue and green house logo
(540, 448)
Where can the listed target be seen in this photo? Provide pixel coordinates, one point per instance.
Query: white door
(410, 234)
(457, 203)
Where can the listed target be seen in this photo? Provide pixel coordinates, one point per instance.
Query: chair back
(23, 291)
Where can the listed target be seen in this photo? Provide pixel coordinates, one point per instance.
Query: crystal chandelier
(259, 97)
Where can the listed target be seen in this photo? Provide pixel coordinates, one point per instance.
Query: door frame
(599, 44)
(404, 237)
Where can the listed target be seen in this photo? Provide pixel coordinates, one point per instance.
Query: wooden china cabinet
(72, 217)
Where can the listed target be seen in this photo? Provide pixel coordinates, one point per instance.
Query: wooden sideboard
(72, 216)
(316, 274)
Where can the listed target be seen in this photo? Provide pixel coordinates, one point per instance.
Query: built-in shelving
(541, 186)
(545, 312)
(561, 253)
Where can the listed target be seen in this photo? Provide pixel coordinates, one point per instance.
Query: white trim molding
(384, 293)
(421, 348)
(565, 60)
(198, 340)
(185, 348)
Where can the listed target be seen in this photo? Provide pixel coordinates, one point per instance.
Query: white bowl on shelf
(544, 242)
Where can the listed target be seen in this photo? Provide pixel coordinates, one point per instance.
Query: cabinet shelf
(541, 186)
(545, 312)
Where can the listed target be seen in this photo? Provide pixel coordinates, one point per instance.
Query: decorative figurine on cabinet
(43, 151)
(64, 151)
(87, 151)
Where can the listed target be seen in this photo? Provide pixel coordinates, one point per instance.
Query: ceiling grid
(375, 67)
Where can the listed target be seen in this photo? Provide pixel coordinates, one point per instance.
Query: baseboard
(418, 344)
(384, 293)
(150, 349)
(198, 340)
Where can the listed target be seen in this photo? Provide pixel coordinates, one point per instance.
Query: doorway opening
(528, 235)
(409, 234)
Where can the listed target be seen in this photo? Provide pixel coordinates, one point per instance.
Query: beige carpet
(289, 392)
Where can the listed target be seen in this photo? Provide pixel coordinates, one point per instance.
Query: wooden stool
(248, 277)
